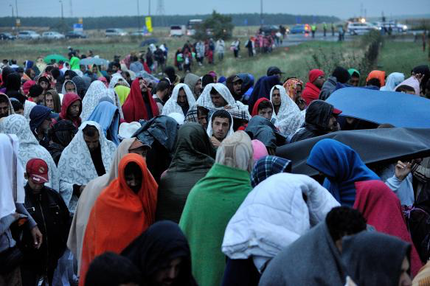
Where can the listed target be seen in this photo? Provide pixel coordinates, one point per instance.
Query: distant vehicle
(115, 33)
(52, 35)
(7, 36)
(28, 35)
(269, 30)
(300, 29)
(76, 35)
(396, 27)
(177, 31)
(360, 28)
(191, 26)
(140, 33)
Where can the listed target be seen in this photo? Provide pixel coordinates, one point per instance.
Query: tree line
(164, 21)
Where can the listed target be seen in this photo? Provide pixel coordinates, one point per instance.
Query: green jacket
(210, 206)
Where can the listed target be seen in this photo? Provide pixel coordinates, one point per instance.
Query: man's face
(40, 99)
(95, 69)
(237, 87)
(166, 275)
(203, 120)
(114, 69)
(36, 187)
(276, 97)
(182, 97)
(405, 278)
(143, 86)
(218, 100)
(44, 127)
(75, 109)
(266, 112)
(332, 124)
(134, 181)
(198, 88)
(82, 68)
(70, 88)
(92, 142)
(32, 74)
(354, 81)
(220, 127)
(319, 81)
(49, 101)
(4, 109)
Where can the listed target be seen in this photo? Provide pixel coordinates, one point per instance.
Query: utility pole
(62, 15)
(138, 15)
(149, 7)
(13, 14)
(261, 13)
(16, 8)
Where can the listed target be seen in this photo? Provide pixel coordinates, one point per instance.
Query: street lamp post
(138, 15)
(261, 13)
(13, 14)
(62, 15)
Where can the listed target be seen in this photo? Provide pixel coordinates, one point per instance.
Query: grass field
(294, 61)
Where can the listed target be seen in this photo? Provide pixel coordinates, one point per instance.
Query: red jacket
(310, 93)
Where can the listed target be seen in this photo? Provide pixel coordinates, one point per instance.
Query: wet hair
(115, 64)
(111, 269)
(90, 131)
(49, 69)
(342, 221)
(4, 99)
(202, 111)
(28, 71)
(265, 104)
(17, 105)
(35, 91)
(222, 114)
(374, 81)
(55, 72)
(214, 91)
(405, 88)
(207, 79)
(162, 85)
(341, 74)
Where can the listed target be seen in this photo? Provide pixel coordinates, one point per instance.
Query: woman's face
(49, 101)
(95, 69)
(276, 97)
(44, 85)
(70, 88)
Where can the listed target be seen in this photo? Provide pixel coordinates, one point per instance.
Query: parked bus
(191, 26)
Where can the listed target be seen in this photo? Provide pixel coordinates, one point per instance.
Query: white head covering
(114, 80)
(274, 215)
(77, 167)
(412, 82)
(172, 105)
(28, 107)
(393, 80)
(29, 147)
(236, 151)
(205, 98)
(63, 89)
(179, 117)
(210, 131)
(95, 92)
(11, 110)
(126, 130)
(12, 175)
(289, 118)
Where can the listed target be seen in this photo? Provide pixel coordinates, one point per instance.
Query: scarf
(172, 106)
(123, 92)
(106, 114)
(63, 88)
(119, 215)
(68, 100)
(268, 166)
(95, 92)
(291, 87)
(342, 167)
(88, 199)
(76, 165)
(134, 107)
(393, 80)
(381, 209)
(377, 74)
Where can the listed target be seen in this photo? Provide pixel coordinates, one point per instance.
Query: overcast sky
(340, 8)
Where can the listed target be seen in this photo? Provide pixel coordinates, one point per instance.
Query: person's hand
(215, 142)
(228, 107)
(37, 237)
(402, 170)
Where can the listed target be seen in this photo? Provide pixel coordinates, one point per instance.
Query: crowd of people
(116, 177)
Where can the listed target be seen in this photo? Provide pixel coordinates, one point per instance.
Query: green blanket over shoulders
(210, 205)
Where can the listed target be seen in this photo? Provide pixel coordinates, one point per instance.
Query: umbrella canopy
(373, 145)
(147, 76)
(55, 57)
(398, 109)
(94, 61)
(149, 41)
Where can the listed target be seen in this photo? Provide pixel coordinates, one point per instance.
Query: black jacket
(317, 121)
(52, 217)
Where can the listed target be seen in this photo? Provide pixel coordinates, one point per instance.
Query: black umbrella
(373, 145)
(149, 41)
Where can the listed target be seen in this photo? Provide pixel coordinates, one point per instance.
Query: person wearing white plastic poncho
(287, 115)
(220, 127)
(180, 102)
(88, 156)
(274, 214)
(29, 147)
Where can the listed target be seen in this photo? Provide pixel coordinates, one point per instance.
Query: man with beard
(5, 106)
(234, 84)
(194, 83)
(220, 126)
(139, 104)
